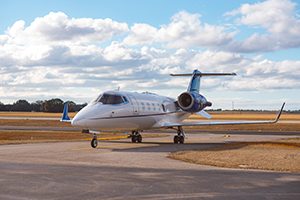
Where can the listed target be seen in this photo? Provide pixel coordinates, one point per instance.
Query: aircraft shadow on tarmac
(170, 147)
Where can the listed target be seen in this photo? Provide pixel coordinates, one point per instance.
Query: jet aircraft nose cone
(78, 120)
(74, 122)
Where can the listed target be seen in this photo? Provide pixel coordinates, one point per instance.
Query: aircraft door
(134, 104)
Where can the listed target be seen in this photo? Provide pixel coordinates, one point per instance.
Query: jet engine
(192, 102)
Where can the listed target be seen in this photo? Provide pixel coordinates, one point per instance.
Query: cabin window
(112, 99)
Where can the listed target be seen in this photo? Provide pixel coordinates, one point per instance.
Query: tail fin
(65, 117)
(194, 85)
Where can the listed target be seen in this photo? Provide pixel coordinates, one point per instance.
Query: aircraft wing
(213, 123)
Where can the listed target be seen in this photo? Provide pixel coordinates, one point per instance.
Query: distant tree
(52, 105)
(78, 107)
(2, 106)
(36, 106)
(72, 106)
(21, 105)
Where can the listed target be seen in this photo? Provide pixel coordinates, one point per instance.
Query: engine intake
(192, 102)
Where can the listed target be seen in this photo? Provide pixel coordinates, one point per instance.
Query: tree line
(53, 105)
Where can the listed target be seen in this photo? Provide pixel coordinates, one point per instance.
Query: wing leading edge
(212, 123)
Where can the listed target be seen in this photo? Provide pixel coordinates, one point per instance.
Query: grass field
(28, 136)
(248, 116)
(283, 155)
(216, 115)
(33, 114)
(24, 136)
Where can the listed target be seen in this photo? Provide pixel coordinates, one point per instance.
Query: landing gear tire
(136, 137)
(139, 138)
(179, 138)
(94, 142)
(133, 139)
(176, 139)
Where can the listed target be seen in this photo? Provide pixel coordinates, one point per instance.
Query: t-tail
(191, 100)
(194, 85)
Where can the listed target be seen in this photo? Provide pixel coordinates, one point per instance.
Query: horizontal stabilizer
(206, 74)
(204, 114)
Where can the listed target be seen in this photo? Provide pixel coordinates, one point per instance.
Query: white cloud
(59, 56)
(184, 30)
(277, 17)
(141, 34)
(16, 29)
(57, 26)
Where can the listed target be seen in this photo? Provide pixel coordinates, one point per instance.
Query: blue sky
(48, 49)
(155, 12)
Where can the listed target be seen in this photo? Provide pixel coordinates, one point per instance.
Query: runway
(122, 170)
(230, 132)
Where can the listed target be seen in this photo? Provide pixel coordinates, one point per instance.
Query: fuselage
(128, 111)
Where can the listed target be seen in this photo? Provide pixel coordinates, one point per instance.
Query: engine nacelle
(192, 102)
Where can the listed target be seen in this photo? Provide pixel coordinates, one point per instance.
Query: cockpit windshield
(112, 99)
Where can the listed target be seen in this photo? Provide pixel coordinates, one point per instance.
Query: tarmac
(122, 170)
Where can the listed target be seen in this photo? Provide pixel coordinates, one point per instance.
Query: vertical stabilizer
(194, 85)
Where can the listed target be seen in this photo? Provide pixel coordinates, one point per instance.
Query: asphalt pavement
(123, 170)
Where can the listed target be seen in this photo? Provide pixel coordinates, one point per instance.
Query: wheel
(94, 143)
(133, 139)
(139, 138)
(176, 139)
(181, 139)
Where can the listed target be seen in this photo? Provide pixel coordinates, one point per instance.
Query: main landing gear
(136, 137)
(179, 138)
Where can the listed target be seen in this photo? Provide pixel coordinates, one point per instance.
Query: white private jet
(135, 112)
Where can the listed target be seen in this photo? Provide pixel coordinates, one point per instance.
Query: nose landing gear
(136, 137)
(94, 142)
(179, 138)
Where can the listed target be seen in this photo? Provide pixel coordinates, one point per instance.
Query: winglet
(279, 113)
(65, 117)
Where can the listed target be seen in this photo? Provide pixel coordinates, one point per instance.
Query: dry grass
(248, 116)
(16, 137)
(216, 115)
(28, 136)
(281, 155)
(13, 136)
(28, 122)
(282, 127)
(33, 114)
